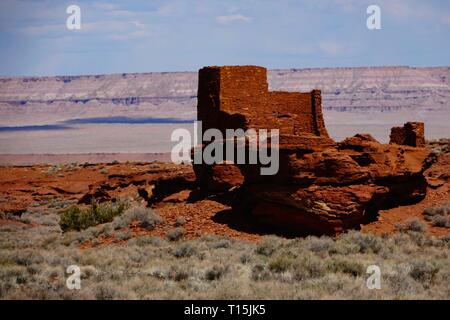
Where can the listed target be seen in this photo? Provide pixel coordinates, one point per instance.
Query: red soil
(22, 187)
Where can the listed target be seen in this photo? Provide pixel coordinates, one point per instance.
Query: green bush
(78, 218)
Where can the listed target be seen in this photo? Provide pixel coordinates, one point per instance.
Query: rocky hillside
(46, 100)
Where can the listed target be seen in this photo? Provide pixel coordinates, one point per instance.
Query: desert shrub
(348, 266)
(88, 272)
(366, 242)
(149, 240)
(442, 210)
(400, 283)
(175, 234)
(265, 248)
(106, 230)
(245, 258)
(439, 216)
(123, 236)
(49, 221)
(77, 218)
(281, 263)
(105, 291)
(431, 212)
(260, 273)
(107, 211)
(146, 217)
(177, 274)
(414, 225)
(423, 271)
(322, 244)
(216, 272)
(180, 221)
(220, 244)
(10, 228)
(27, 258)
(441, 221)
(184, 250)
(309, 266)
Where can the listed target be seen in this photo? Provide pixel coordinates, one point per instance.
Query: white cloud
(232, 18)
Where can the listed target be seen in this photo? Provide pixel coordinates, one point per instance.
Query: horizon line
(6, 77)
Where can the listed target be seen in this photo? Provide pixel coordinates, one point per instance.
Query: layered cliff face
(49, 100)
(35, 100)
(321, 186)
(371, 89)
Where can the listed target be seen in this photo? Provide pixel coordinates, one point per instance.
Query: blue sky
(152, 35)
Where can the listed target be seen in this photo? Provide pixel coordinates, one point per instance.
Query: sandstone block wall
(411, 134)
(238, 97)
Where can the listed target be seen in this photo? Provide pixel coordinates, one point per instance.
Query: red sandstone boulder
(315, 209)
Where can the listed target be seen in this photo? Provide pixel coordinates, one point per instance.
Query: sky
(154, 36)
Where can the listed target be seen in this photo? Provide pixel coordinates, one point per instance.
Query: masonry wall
(238, 97)
(411, 134)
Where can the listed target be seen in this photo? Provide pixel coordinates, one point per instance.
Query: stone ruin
(411, 134)
(322, 186)
(239, 97)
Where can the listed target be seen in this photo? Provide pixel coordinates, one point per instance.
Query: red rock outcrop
(321, 186)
